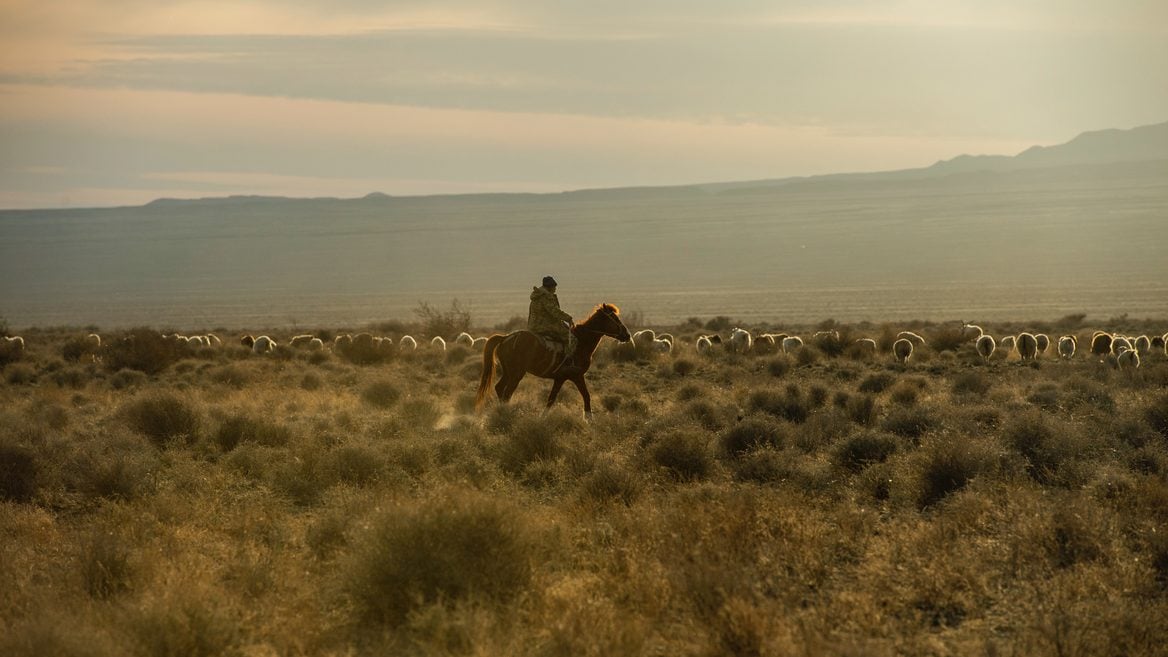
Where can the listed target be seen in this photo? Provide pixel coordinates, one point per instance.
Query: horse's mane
(606, 307)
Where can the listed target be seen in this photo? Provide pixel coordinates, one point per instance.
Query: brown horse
(522, 353)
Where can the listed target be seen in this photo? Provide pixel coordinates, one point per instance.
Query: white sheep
(662, 346)
(215, 340)
(263, 345)
(316, 344)
(1007, 345)
(407, 343)
(1101, 343)
(985, 346)
(902, 349)
(246, 340)
(666, 336)
(438, 343)
(1127, 359)
(792, 344)
(1143, 345)
(1120, 343)
(644, 337)
(1043, 342)
(1066, 346)
(343, 341)
(384, 345)
(301, 340)
(480, 343)
(703, 344)
(740, 340)
(971, 332)
(93, 341)
(14, 343)
(867, 345)
(765, 343)
(909, 335)
(1027, 346)
(465, 339)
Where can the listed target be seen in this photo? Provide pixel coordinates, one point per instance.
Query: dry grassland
(722, 504)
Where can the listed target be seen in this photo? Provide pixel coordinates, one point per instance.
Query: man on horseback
(545, 319)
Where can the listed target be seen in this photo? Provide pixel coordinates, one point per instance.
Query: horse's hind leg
(511, 384)
(556, 385)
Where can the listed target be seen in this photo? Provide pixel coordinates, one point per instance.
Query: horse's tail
(488, 369)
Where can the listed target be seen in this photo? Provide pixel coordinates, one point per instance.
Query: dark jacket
(544, 316)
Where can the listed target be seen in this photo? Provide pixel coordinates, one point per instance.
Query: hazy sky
(107, 102)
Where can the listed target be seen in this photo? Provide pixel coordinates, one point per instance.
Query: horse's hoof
(587, 416)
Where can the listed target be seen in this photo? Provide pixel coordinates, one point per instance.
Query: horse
(522, 352)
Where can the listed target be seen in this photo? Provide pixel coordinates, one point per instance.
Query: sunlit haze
(124, 101)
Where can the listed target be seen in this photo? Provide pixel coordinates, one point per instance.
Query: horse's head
(606, 320)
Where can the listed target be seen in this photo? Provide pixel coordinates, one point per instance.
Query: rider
(545, 319)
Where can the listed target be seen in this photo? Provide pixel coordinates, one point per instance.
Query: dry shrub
(123, 379)
(232, 376)
(684, 366)
(191, 623)
(536, 438)
(751, 434)
(311, 382)
(19, 472)
(779, 366)
(382, 393)
(106, 567)
(1157, 415)
(862, 409)
(877, 383)
(684, 454)
(20, 374)
(243, 428)
(163, 417)
(705, 414)
(117, 467)
(690, 392)
(356, 465)
(1045, 396)
(76, 348)
(1044, 448)
(790, 404)
(904, 394)
(971, 383)
(609, 481)
(144, 350)
(911, 422)
(947, 466)
(458, 547)
(863, 449)
(1084, 393)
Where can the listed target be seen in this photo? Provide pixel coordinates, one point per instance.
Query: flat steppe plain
(210, 501)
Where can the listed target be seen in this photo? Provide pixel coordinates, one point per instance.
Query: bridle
(585, 326)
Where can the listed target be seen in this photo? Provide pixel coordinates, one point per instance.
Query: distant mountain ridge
(1095, 148)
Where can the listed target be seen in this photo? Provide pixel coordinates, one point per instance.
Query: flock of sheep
(1123, 351)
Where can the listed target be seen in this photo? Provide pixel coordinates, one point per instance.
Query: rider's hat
(548, 281)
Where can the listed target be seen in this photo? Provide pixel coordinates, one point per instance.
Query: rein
(615, 336)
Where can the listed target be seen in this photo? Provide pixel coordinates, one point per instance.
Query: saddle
(551, 344)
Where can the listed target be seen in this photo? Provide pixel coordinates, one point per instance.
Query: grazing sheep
(662, 346)
(215, 341)
(644, 337)
(740, 340)
(465, 339)
(909, 335)
(14, 343)
(93, 341)
(1066, 346)
(438, 343)
(985, 346)
(1121, 343)
(199, 341)
(1027, 346)
(316, 344)
(1007, 344)
(1101, 343)
(666, 336)
(826, 335)
(1127, 359)
(247, 340)
(407, 343)
(1144, 345)
(1158, 342)
(703, 344)
(902, 349)
(867, 344)
(263, 345)
(480, 343)
(301, 340)
(1043, 342)
(792, 344)
(384, 345)
(764, 344)
(971, 332)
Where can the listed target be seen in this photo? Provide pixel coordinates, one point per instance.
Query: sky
(119, 102)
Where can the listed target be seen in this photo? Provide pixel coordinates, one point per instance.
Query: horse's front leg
(583, 388)
(556, 385)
